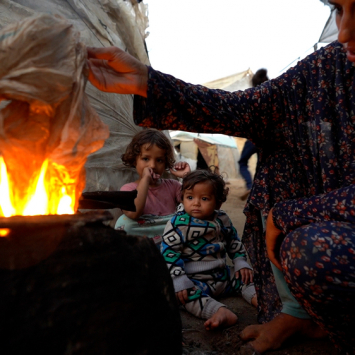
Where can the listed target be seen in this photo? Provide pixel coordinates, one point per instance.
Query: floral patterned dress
(303, 124)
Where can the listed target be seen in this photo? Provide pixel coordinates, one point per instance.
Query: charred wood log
(97, 291)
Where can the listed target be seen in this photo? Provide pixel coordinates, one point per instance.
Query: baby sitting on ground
(194, 245)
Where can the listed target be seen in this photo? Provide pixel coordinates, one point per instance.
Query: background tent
(204, 150)
(330, 31)
(239, 81)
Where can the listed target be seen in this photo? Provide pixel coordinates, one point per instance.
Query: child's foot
(223, 318)
(254, 301)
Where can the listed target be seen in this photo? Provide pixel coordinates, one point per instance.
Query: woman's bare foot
(272, 335)
(222, 318)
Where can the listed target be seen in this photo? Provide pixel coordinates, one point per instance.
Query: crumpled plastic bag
(45, 113)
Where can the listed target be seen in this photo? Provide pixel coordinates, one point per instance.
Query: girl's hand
(150, 174)
(273, 241)
(181, 297)
(113, 70)
(246, 274)
(180, 169)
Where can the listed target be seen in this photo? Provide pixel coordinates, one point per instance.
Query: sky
(203, 40)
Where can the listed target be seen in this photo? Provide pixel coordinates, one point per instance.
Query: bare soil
(198, 341)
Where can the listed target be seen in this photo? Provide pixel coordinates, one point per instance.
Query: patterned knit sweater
(192, 245)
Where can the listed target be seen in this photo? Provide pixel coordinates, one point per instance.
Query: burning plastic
(47, 126)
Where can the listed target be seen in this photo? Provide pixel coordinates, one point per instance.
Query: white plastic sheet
(101, 23)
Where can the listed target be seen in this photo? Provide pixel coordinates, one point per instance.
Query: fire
(51, 191)
(4, 232)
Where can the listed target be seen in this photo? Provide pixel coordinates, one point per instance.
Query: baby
(194, 246)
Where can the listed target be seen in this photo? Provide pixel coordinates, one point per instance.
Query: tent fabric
(239, 81)
(219, 139)
(101, 23)
(330, 31)
(209, 153)
(218, 150)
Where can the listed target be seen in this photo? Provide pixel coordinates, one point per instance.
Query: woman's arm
(173, 104)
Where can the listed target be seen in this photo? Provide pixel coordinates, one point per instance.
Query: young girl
(151, 153)
(194, 246)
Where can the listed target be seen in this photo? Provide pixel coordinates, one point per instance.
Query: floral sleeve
(256, 113)
(338, 205)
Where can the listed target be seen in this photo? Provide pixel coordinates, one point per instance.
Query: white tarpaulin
(330, 31)
(235, 82)
(218, 151)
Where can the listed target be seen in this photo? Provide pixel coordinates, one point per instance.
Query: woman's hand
(180, 169)
(113, 70)
(273, 241)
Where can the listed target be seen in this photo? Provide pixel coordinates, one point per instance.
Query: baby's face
(200, 201)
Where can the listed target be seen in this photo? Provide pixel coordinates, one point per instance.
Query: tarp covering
(218, 150)
(100, 23)
(330, 31)
(239, 81)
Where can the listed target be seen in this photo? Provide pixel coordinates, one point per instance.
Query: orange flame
(50, 192)
(4, 232)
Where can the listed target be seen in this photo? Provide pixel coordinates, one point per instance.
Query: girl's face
(151, 157)
(200, 201)
(345, 20)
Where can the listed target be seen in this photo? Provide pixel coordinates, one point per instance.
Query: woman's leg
(319, 265)
(289, 303)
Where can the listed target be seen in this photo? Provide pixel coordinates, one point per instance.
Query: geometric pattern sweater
(191, 245)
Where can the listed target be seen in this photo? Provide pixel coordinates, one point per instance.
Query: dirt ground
(198, 341)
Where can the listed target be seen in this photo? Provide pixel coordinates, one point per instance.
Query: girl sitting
(151, 153)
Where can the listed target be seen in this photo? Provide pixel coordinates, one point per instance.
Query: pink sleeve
(129, 187)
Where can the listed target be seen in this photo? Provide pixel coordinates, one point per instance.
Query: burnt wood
(98, 291)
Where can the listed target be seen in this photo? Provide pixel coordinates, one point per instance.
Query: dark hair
(150, 137)
(259, 77)
(195, 177)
